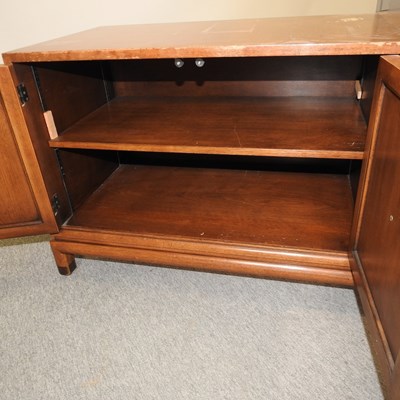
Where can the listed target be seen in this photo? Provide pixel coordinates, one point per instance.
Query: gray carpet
(120, 331)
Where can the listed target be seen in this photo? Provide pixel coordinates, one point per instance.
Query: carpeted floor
(120, 331)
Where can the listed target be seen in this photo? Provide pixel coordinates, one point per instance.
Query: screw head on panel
(199, 62)
(179, 63)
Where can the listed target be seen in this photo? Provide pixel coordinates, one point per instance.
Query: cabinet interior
(261, 151)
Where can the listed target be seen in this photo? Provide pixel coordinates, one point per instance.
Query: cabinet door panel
(378, 240)
(16, 202)
(24, 205)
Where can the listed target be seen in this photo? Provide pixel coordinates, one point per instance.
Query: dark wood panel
(70, 90)
(283, 164)
(85, 171)
(370, 67)
(379, 244)
(375, 233)
(306, 211)
(283, 88)
(291, 127)
(247, 76)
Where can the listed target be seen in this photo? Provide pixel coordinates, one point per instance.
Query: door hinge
(22, 94)
(55, 203)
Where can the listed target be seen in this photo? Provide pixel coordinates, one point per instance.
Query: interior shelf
(318, 127)
(283, 209)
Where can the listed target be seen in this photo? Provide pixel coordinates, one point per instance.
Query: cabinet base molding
(226, 258)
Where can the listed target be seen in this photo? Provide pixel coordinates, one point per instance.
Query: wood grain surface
(291, 127)
(313, 35)
(308, 211)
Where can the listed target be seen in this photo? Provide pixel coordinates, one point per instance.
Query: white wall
(26, 22)
(388, 5)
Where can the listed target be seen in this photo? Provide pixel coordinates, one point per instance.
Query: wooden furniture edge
(28, 155)
(306, 266)
(378, 340)
(298, 36)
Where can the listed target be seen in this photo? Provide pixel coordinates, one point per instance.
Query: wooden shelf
(247, 208)
(315, 127)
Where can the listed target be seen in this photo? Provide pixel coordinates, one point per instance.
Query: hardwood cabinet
(254, 147)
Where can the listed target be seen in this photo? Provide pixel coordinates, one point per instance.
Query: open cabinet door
(376, 247)
(25, 208)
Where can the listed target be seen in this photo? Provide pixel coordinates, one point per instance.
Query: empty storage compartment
(244, 203)
(230, 164)
(271, 106)
(260, 210)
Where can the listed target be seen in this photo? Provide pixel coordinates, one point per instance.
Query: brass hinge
(55, 203)
(22, 94)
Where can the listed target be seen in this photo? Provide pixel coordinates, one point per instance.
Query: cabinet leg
(65, 262)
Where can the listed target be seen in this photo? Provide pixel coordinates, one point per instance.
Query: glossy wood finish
(24, 206)
(292, 127)
(379, 241)
(213, 210)
(377, 245)
(282, 209)
(316, 35)
(258, 262)
(282, 225)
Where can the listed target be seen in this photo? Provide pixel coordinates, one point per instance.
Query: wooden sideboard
(266, 148)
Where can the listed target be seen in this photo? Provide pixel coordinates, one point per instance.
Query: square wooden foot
(65, 262)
